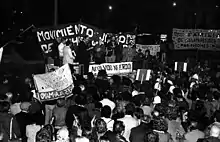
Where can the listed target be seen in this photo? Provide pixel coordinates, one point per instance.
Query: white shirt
(129, 123)
(31, 132)
(60, 48)
(109, 123)
(67, 55)
(107, 102)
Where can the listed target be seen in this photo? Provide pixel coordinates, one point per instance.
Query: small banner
(152, 48)
(143, 75)
(112, 68)
(180, 66)
(54, 85)
(196, 39)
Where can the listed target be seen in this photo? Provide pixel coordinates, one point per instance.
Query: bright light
(174, 4)
(216, 6)
(110, 7)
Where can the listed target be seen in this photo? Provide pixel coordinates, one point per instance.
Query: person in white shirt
(108, 102)
(68, 55)
(61, 47)
(106, 116)
(128, 120)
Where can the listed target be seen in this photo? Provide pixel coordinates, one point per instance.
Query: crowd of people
(169, 107)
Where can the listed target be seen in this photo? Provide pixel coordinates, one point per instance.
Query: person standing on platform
(83, 56)
(69, 55)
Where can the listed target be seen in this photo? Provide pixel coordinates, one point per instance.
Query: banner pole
(55, 12)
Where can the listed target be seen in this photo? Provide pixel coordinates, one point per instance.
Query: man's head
(130, 109)
(106, 112)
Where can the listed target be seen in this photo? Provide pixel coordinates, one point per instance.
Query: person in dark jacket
(75, 110)
(5, 121)
(138, 133)
(116, 135)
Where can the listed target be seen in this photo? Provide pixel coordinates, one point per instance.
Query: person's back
(59, 113)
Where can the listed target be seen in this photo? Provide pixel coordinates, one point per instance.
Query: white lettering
(39, 35)
(83, 28)
(122, 39)
(69, 30)
(77, 29)
(90, 32)
(47, 35)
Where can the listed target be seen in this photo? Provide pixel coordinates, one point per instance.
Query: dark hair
(151, 136)
(84, 118)
(106, 112)
(118, 127)
(98, 105)
(160, 124)
(130, 109)
(45, 134)
(139, 113)
(4, 106)
(100, 126)
(61, 102)
(80, 99)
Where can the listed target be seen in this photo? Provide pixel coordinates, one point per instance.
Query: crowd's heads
(25, 106)
(4, 107)
(61, 102)
(100, 126)
(106, 112)
(63, 135)
(172, 113)
(160, 124)
(80, 99)
(130, 109)
(118, 127)
(151, 136)
(146, 119)
(45, 134)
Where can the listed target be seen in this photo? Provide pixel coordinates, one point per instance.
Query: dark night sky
(151, 15)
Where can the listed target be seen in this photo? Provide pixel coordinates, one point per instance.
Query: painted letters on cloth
(152, 48)
(54, 85)
(196, 39)
(112, 68)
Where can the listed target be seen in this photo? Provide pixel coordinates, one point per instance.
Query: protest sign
(143, 75)
(196, 39)
(54, 85)
(154, 49)
(112, 68)
(46, 37)
(180, 66)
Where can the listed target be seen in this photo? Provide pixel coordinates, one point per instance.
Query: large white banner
(154, 49)
(54, 85)
(196, 39)
(112, 68)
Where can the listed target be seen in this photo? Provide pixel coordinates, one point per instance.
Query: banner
(54, 85)
(196, 39)
(154, 49)
(112, 68)
(46, 37)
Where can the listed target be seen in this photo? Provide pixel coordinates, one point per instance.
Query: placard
(54, 85)
(154, 49)
(196, 39)
(112, 68)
